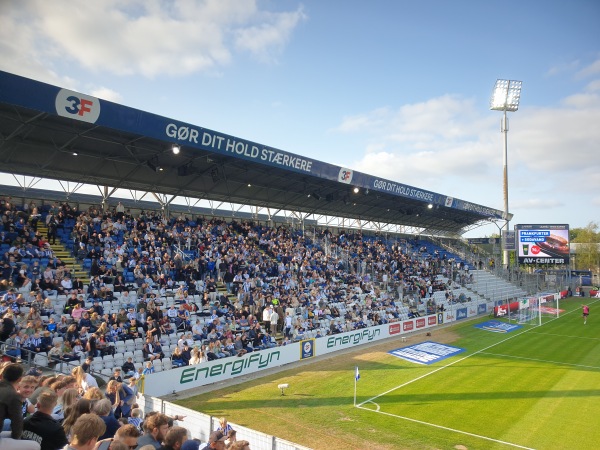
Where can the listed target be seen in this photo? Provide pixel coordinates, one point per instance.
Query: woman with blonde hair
(84, 379)
(121, 398)
(98, 324)
(195, 359)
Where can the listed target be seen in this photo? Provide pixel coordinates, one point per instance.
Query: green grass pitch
(536, 388)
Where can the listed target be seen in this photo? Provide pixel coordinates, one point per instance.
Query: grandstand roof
(42, 127)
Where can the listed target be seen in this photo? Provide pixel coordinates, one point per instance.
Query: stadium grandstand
(308, 250)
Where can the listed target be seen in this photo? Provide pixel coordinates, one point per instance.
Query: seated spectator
(148, 369)
(128, 367)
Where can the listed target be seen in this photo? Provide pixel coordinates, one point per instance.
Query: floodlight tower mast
(505, 97)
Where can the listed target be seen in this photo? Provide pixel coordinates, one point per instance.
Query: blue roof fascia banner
(54, 100)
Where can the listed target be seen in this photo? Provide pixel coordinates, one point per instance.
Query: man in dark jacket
(11, 408)
(41, 427)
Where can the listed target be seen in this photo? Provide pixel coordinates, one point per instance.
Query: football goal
(539, 309)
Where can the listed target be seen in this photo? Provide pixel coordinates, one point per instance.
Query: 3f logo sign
(77, 106)
(345, 175)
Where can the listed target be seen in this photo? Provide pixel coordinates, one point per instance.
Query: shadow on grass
(288, 401)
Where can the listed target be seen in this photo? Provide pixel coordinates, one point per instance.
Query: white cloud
(147, 37)
(447, 145)
(267, 39)
(563, 67)
(537, 203)
(107, 94)
(590, 70)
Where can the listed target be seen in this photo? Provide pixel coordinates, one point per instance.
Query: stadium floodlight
(505, 97)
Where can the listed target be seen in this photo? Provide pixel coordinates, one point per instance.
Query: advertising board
(543, 244)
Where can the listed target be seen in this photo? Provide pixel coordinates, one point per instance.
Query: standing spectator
(41, 427)
(84, 380)
(52, 226)
(267, 316)
(121, 398)
(273, 319)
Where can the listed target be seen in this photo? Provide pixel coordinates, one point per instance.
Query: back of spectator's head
(175, 437)
(102, 407)
(136, 412)
(46, 401)
(239, 445)
(12, 373)
(86, 428)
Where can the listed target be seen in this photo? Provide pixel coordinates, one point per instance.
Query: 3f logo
(77, 106)
(345, 175)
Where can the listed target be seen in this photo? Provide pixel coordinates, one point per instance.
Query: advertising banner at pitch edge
(543, 244)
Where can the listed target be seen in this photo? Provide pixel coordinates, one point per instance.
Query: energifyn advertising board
(190, 377)
(543, 244)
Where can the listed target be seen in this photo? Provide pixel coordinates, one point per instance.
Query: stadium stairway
(65, 255)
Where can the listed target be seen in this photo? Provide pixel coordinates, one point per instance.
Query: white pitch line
(542, 360)
(442, 368)
(376, 404)
(567, 336)
(447, 428)
(360, 405)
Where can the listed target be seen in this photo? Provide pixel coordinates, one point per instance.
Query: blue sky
(397, 89)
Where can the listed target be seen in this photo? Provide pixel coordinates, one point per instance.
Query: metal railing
(200, 425)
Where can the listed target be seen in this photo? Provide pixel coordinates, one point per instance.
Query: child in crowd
(26, 386)
(149, 368)
(136, 418)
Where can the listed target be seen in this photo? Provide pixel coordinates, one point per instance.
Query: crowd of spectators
(51, 412)
(215, 288)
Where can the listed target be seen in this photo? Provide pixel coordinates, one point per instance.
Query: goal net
(529, 311)
(539, 309)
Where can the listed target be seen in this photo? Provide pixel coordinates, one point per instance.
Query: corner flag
(356, 378)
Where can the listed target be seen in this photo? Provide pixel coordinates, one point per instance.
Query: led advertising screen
(543, 244)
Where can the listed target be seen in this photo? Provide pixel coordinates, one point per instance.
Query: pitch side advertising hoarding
(543, 244)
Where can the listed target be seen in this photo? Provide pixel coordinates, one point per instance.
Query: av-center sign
(543, 244)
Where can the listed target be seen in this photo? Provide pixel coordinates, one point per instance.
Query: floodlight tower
(505, 97)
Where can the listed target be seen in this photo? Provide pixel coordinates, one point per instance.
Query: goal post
(549, 305)
(529, 311)
(536, 310)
